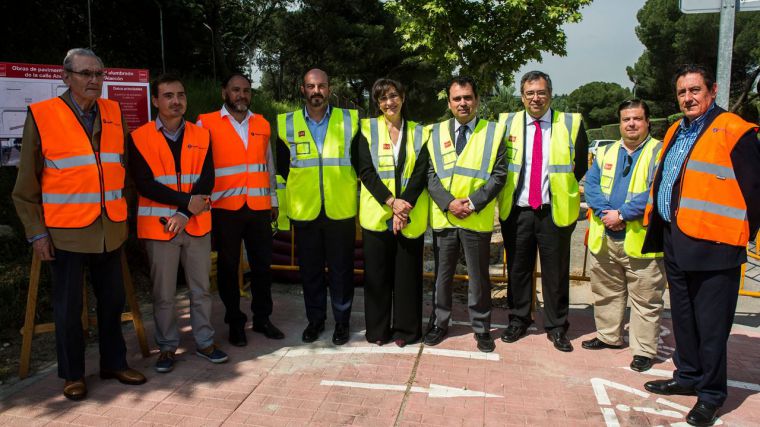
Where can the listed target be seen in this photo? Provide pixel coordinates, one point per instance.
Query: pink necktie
(534, 191)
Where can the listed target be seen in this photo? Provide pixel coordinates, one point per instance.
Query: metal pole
(161, 28)
(213, 49)
(89, 23)
(725, 50)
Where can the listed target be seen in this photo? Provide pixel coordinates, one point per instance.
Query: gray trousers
(195, 255)
(476, 253)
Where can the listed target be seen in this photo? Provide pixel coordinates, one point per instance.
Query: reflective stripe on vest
(711, 205)
(152, 145)
(283, 223)
(78, 185)
(563, 187)
(641, 180)
(320, 179)
(377, 216)
(240, 170)
(464, 174)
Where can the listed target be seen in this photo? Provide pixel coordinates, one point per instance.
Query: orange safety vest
(151, 144)
(77, 183)
(711, 205)
(242, 174)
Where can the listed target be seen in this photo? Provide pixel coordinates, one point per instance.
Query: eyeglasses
(89, 74)
(390, 97)
(539, 94)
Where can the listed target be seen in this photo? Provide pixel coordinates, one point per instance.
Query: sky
(598, 48)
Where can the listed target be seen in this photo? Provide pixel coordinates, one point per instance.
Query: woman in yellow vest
(391, 160)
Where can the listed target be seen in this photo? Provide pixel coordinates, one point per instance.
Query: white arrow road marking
(435, 390)
(412, 350)
(654, 411)
(731, 383)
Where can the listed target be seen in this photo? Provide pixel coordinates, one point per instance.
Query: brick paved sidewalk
(288, 383)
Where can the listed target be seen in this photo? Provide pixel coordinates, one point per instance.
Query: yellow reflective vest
(283, 223)
(563, 187)
(464, 174)
(374, 215)
(316, 179)
(641, 180)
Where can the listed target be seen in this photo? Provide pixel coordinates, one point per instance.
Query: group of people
(682, 209)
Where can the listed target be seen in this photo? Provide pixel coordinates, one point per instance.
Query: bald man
(314, 158)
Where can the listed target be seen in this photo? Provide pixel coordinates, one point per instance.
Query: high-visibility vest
(316, 179)
(152, 145)
(711, 205)
(641, 180)
(283, 222)
(464, 174)
(563, 187)
(77, 183)
(241, 174)
(374, 215)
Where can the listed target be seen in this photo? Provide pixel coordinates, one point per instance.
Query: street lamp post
(213, 49)
(161, 28)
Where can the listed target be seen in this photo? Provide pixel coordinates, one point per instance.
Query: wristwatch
(620, 215)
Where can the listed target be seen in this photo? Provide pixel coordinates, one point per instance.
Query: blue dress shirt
(318, 129)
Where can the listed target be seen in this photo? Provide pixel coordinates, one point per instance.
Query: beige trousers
(614, 277)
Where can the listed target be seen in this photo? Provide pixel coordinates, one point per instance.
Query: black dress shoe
(434, 336)
(669, 387)
(597, 344)
(485, 342)
(514, 332)
(312, 331)
(340, 334)
(702, 414)
(269, 330)
(641, 363)
(560, 341)
(237, 336)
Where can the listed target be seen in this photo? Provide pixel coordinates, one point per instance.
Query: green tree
(489, 39)
(672, 38)
(503, 100)
(598, 102)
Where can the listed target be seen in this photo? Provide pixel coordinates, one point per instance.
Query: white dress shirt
(397, 142)
(546, 135)
(241, 128)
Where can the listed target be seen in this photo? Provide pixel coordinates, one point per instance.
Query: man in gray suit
(464, 179)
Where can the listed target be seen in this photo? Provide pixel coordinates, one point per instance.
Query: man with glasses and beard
(244, 203)
(617, 188)
(321, 197)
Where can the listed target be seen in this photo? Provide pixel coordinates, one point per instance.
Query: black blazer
(361, 159)
(700, 255)
(581, 158)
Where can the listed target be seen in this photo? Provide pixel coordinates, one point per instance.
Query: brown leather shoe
(127, 376)
(75, 390)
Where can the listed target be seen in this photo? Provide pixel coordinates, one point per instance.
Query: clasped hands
(198, 203)
(611, 220)
(461, 208)
(401, 210)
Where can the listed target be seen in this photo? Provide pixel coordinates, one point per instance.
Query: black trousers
(702, 304)
(108, 287)
(392, 286)
(525, 230)
(326, 242)
(254, 228)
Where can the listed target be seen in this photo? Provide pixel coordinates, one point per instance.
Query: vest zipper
(102, 183)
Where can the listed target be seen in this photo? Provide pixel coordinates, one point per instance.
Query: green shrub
(593, 134)
(611, 131)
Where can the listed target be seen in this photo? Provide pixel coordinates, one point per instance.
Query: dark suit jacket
(482, 196)
(700, 255)
(361, 158)
(581, 159)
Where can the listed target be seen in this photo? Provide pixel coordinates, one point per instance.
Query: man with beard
(244, 203)
(321, 197)
(173, 170)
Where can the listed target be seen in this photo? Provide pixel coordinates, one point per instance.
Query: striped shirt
(674, 160)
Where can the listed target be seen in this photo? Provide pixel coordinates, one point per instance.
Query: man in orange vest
(703, 209)
(244, 204)
(69, 195)
(171, 164)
